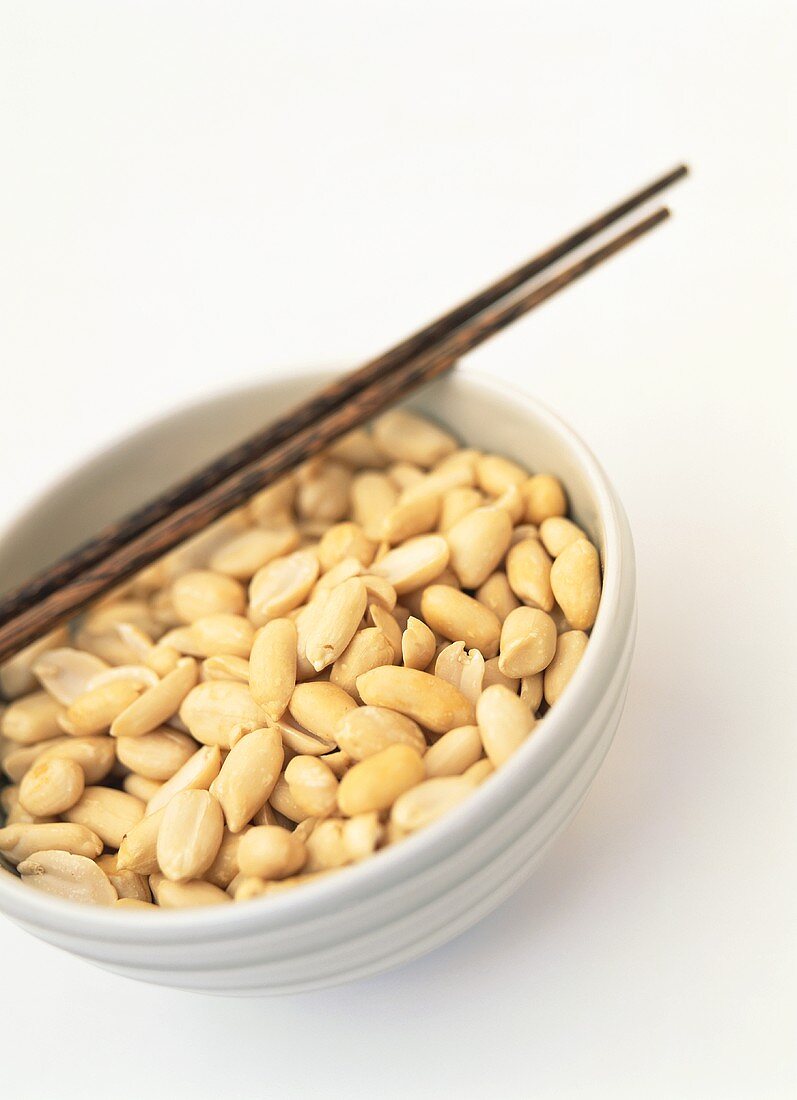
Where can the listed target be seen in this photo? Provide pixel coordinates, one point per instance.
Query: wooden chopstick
(336, 393)
(43, 615)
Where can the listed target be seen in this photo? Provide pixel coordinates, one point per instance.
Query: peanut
(576, 583)
(376, 782)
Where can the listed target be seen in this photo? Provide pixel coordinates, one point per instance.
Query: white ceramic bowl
(432, 886)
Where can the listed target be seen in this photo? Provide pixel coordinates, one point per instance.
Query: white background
(194, 194)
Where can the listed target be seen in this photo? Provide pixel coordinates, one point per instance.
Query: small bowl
(411, 897)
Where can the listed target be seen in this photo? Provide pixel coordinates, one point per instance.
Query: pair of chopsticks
(131, 543)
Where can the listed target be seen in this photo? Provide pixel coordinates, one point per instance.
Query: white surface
(193, 192)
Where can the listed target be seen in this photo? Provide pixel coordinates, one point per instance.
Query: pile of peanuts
(313, 678)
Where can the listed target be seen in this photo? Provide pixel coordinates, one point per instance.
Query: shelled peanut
(313, 678)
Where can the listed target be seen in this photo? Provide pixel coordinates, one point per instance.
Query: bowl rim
(362, 881)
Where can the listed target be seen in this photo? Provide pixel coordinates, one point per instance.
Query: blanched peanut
(343, 571)
(319, 707)
(18, 842)
(376, 782)
(138, 850)
(162, 659)
(15, 812)
(368, 730)
(313, 786)
(465, 670)
(202, 592)
(338, 762)
(274, 502)
(282, 585)
(243, 555)
(461, 618)
(357, 449)
(513, 503)
(496, 594)
(139, 676)
(458, 503)
(68, 876)
(157, 755)
(65, 672)
(190, 835)
(454, 753)
(368, 649)
(16, 674)
(197, 773)
(417, 644)
(218, 710)
(413, 514)
(456, 469)
(158, 704)
(94, 711)
(411, 438)
(325, 846)
(478, 543)
(301, 741)
(51, 786)
(271, 852)
(127, 884)
(360, 835)
(31, 719)
(284, 803)
(95, 755)
(187, 895)
(421, 805)
(214, 635)
(528, 570)
(272, 667)
(225, 667)
(248, 776)
(17, 759)
(107, 812)
(345, 540)
(415, 563)
(139, 787)
(556, 534)
(431, 702)
(545, 497)
(496, 474)
(389, 626)
(379, 591)
(528, 642)
(478, 772)
(372, 496)
(323, 491)
(504, 723)
(494, 675)
(225, 866)
(570, 648)
(576, 583)
(531, 691)
(335, 623)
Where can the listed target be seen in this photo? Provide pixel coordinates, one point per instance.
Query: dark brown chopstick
(122, 531)
(163, 536)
